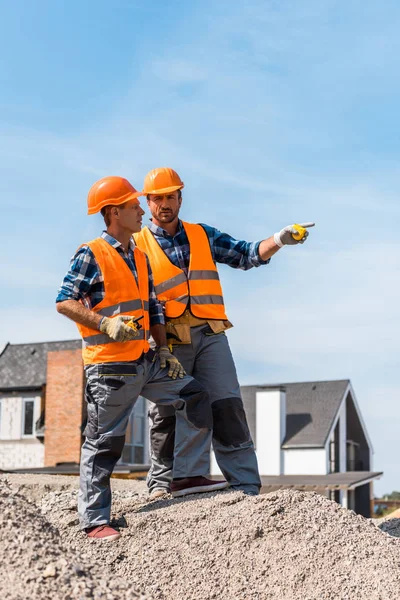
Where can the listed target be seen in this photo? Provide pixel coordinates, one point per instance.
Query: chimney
(64, 407)
(270, 430)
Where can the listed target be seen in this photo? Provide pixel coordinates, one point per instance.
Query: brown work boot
(158, 493)
(196, 485)
(103, 532)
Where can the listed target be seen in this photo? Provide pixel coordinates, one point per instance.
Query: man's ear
(115, 211)
(180, 200)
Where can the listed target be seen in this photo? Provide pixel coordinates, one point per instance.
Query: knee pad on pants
(230, 423)
(198, 407)
(162, 435)
(109, 451)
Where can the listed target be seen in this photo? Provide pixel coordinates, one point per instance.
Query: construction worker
(109, 292)
(182, 257)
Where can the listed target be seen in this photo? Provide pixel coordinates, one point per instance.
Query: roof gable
(311, 408)
(24, 365)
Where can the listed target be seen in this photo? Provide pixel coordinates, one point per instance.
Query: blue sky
(272, 113)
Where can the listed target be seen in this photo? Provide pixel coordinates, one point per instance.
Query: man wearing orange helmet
(183, 258)
(109, 293)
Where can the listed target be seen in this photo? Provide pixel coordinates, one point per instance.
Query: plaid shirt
(84, 280)
(224, 248)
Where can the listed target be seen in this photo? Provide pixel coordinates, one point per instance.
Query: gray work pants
(209, 360)
(111, 392)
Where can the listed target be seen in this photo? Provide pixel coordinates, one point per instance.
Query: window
(28, 408)
(133, 452)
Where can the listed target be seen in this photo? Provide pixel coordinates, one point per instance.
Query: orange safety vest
(123, 296)
(200, 290)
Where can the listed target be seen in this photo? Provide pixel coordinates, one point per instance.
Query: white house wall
(16, 451)
(270, 430)
(305, 461)
(11, 418)
(343, 437)
(23, 454)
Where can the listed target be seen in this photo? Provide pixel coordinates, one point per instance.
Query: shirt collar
(115, 243)
(161, 232)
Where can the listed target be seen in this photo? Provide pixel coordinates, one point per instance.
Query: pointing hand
(292, 234)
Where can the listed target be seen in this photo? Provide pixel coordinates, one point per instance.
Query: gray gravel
(35, 563)
(286, 545)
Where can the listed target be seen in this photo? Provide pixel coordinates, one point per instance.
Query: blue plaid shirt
(224, 248)
(84, 280)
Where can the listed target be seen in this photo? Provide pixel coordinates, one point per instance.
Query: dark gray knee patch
(198, 407)
(162, 436)
(108, 453)
(230, 423)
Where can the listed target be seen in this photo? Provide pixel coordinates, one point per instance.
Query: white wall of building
(342, 437)
(17, 450)
(23, 454)
(270, 430)
(307, 461)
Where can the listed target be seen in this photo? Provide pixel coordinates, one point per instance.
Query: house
(308, 436)
(312, 436)
(42, 408)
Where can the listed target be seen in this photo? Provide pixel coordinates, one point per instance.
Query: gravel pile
(286, 545)
(390, 526)
(36, 564)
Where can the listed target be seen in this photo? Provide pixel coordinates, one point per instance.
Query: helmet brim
(114, 202)
(166, 190)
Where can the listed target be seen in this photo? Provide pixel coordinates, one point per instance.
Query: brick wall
(64, 407)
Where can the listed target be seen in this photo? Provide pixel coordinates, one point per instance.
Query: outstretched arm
(244, 255)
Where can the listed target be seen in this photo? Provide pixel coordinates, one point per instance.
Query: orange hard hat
(162, 181)
(110, 190)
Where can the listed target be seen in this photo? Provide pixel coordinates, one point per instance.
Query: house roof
(348, 480)
(24, 365)
(311, 408)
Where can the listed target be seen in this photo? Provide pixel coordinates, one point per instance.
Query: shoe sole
(159, 496)
(200, 489)
(109, 538)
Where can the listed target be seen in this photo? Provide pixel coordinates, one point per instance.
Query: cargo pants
(209, 360)
(111, 392)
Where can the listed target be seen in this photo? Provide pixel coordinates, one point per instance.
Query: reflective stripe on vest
(201, 287)
(123, 296)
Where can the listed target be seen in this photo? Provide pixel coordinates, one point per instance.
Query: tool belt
(178, 330)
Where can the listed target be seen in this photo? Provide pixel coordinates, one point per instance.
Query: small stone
(50, 571)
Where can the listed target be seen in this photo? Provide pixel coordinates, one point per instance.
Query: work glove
(292, 234)
(118, 329)
(175, 367)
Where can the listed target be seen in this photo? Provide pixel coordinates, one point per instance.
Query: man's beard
(167, 217)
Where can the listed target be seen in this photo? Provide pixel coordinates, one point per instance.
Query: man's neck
(170, 228)
(123, 237)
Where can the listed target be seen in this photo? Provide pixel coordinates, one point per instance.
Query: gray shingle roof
(311, 408)
(24, 365)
